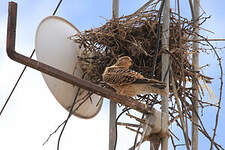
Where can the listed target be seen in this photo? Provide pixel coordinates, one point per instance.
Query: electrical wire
(116, 126)
(70, 113)
(68, 117)
(57, 7)
(15, 86)
(25, 67)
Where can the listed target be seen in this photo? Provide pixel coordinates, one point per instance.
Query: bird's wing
(123, 76)
(120, 76)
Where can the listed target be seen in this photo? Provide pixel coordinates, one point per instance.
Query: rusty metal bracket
(84, 84)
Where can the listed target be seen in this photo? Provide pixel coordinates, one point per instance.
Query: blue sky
(33, 113)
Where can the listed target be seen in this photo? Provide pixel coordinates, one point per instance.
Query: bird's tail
(145, 89)
(156, 89)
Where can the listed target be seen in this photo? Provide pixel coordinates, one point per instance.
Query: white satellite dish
(55, 49)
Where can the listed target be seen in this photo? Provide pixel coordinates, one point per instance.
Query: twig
(127, 124)
(219, 147)
(141, 9)
(179, 110)
(136, 118)
(136, 137)
(172, 140)
(53, 133)
(205, 39)
(136, 131)
(221, 92)
(70, 113)
(158, 36)
(172, 134)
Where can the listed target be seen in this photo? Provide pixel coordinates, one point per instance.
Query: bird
(129, 82)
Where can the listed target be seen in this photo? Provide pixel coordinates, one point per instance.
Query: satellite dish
(55, 49)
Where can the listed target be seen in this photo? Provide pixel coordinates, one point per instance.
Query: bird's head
(124, 61)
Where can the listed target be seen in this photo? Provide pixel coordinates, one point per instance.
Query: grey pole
(115, 8)
(195, 62)
(165, 62)
(113, 108)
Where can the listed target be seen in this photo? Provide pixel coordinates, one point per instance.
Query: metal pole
(113, 108)
(115, 8)
(165, 62)
(112, 125)
(195, 62)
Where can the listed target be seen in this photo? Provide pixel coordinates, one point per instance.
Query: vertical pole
(195, 63)
(112, 125)
(165, 62)
(115, 8)
(113, 108)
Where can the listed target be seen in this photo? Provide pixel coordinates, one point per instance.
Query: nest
(137, 37)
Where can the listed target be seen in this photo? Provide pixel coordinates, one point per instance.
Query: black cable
(167, 71)
(15, 86)
(57, 7)
(158, 37)
(69, 115)
(21, 74)
(116, 126)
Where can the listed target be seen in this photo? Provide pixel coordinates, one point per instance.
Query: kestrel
(130, 83)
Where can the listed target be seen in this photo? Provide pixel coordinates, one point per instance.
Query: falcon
(130, 83)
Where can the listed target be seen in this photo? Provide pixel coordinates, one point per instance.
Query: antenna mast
(113, 108)
(165, 62)
(195, 62)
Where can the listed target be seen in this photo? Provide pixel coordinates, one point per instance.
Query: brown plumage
(128, 82)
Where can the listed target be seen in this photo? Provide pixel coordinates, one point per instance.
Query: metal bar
(25, 67)
(113, 105)
(195, 62)
(11, 28)
(115, 8)
(165, 62)
(10, 48)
